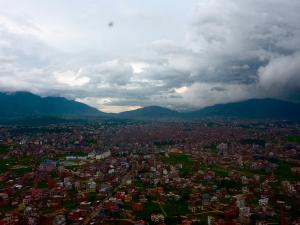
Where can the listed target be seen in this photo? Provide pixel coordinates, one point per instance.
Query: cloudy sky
(119, 55)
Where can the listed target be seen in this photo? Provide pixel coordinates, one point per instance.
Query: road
(161, 208)
(98, 209)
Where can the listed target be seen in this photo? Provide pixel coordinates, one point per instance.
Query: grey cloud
(233, 50)
(281, 76)
(221, 89)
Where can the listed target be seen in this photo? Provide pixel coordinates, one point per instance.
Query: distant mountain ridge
(251, 109)
(248, 109)
(25, 104)
(150, 112)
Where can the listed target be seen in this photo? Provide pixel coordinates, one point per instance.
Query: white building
(92, 155)
(103, 155)
(91, 186)
(263, 201)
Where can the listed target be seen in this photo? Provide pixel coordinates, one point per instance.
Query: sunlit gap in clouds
(117, 108)
(109, 105)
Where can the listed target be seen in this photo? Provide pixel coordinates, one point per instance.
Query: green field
(21, 171)
(70, 205)
(293, 138)
(6, 163)
(149, 208)
(5, 209)
(175, 208)
(187, 164)
(283, 172)
(139, 184)
(43, 184)
(92, 196)
(3, 148)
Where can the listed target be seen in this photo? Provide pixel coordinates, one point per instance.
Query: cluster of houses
(157, 173)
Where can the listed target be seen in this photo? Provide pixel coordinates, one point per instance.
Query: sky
(121, 55)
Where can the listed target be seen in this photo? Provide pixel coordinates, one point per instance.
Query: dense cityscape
(151, 173)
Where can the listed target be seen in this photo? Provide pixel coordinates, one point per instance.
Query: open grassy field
(187, 164)
(149, 208)
(294, 138)
(3, 148)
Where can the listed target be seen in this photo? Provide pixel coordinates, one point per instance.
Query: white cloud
(139, 67)
(181, 90)
(71, 78)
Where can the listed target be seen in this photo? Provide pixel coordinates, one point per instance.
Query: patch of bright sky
(79, 26)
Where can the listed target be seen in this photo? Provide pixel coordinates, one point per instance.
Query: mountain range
(252, 109)
(24, 104)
